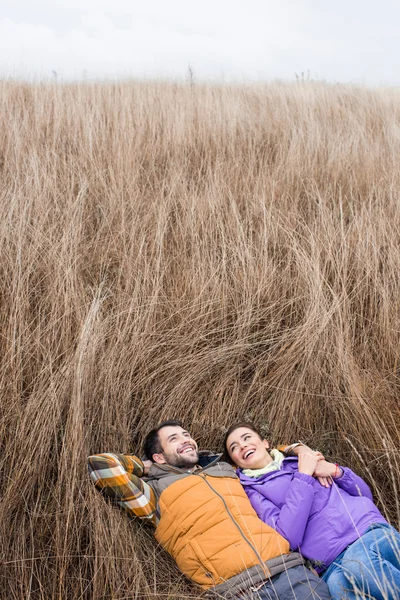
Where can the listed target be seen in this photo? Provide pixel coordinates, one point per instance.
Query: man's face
(178, 448)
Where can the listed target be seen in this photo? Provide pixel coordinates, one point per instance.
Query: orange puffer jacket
(209, 527)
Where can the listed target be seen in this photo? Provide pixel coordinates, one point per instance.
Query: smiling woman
(200, 513)
(246, 447)
(336, 526)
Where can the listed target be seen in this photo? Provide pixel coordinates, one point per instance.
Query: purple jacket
(317, 521)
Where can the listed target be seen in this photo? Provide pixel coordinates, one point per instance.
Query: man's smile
(186, 448)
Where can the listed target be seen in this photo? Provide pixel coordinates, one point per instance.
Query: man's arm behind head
(117, 476)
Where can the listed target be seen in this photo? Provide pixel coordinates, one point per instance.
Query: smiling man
(203, 518)
(171, 444)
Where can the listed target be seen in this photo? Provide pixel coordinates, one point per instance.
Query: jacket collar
(285, 468)
(206, 459)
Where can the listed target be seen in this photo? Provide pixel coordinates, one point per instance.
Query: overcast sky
(342, 40)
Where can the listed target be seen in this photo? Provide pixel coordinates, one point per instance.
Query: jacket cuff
(304, 477)
(287, 450)
(343, 475)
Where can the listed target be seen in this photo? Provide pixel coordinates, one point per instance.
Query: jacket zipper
(254, 549)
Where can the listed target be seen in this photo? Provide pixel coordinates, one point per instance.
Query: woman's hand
(302, 449)
(325, 471)
(308, 462)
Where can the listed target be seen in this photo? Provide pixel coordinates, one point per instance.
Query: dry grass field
(194, 252)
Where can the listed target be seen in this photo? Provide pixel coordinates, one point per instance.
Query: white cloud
(256, 39)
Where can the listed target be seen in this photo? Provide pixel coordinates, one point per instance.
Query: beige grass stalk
(199, 252)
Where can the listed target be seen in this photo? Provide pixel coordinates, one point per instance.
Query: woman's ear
(266, 444)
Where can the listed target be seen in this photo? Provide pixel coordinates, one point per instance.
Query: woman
(335, 525)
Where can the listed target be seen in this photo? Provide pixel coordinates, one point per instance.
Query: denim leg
(297, 583)
(371, 565)
(340, 585)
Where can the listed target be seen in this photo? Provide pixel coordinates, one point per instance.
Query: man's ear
(159, 459)
(266, 444)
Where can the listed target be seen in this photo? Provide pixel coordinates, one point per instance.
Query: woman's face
(247, 450)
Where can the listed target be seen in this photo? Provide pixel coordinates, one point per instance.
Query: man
(204, 519)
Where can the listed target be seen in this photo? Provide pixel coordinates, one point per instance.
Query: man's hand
(301, 449)
(146, 466)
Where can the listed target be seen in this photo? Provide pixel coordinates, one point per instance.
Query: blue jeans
(296, 583)
(370, 565)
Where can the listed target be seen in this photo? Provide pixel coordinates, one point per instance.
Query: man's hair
(152, 443)
(233, 428)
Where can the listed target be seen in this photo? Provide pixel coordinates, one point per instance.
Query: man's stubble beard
(181, 461)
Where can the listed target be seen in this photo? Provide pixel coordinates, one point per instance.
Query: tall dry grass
(196, 252)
